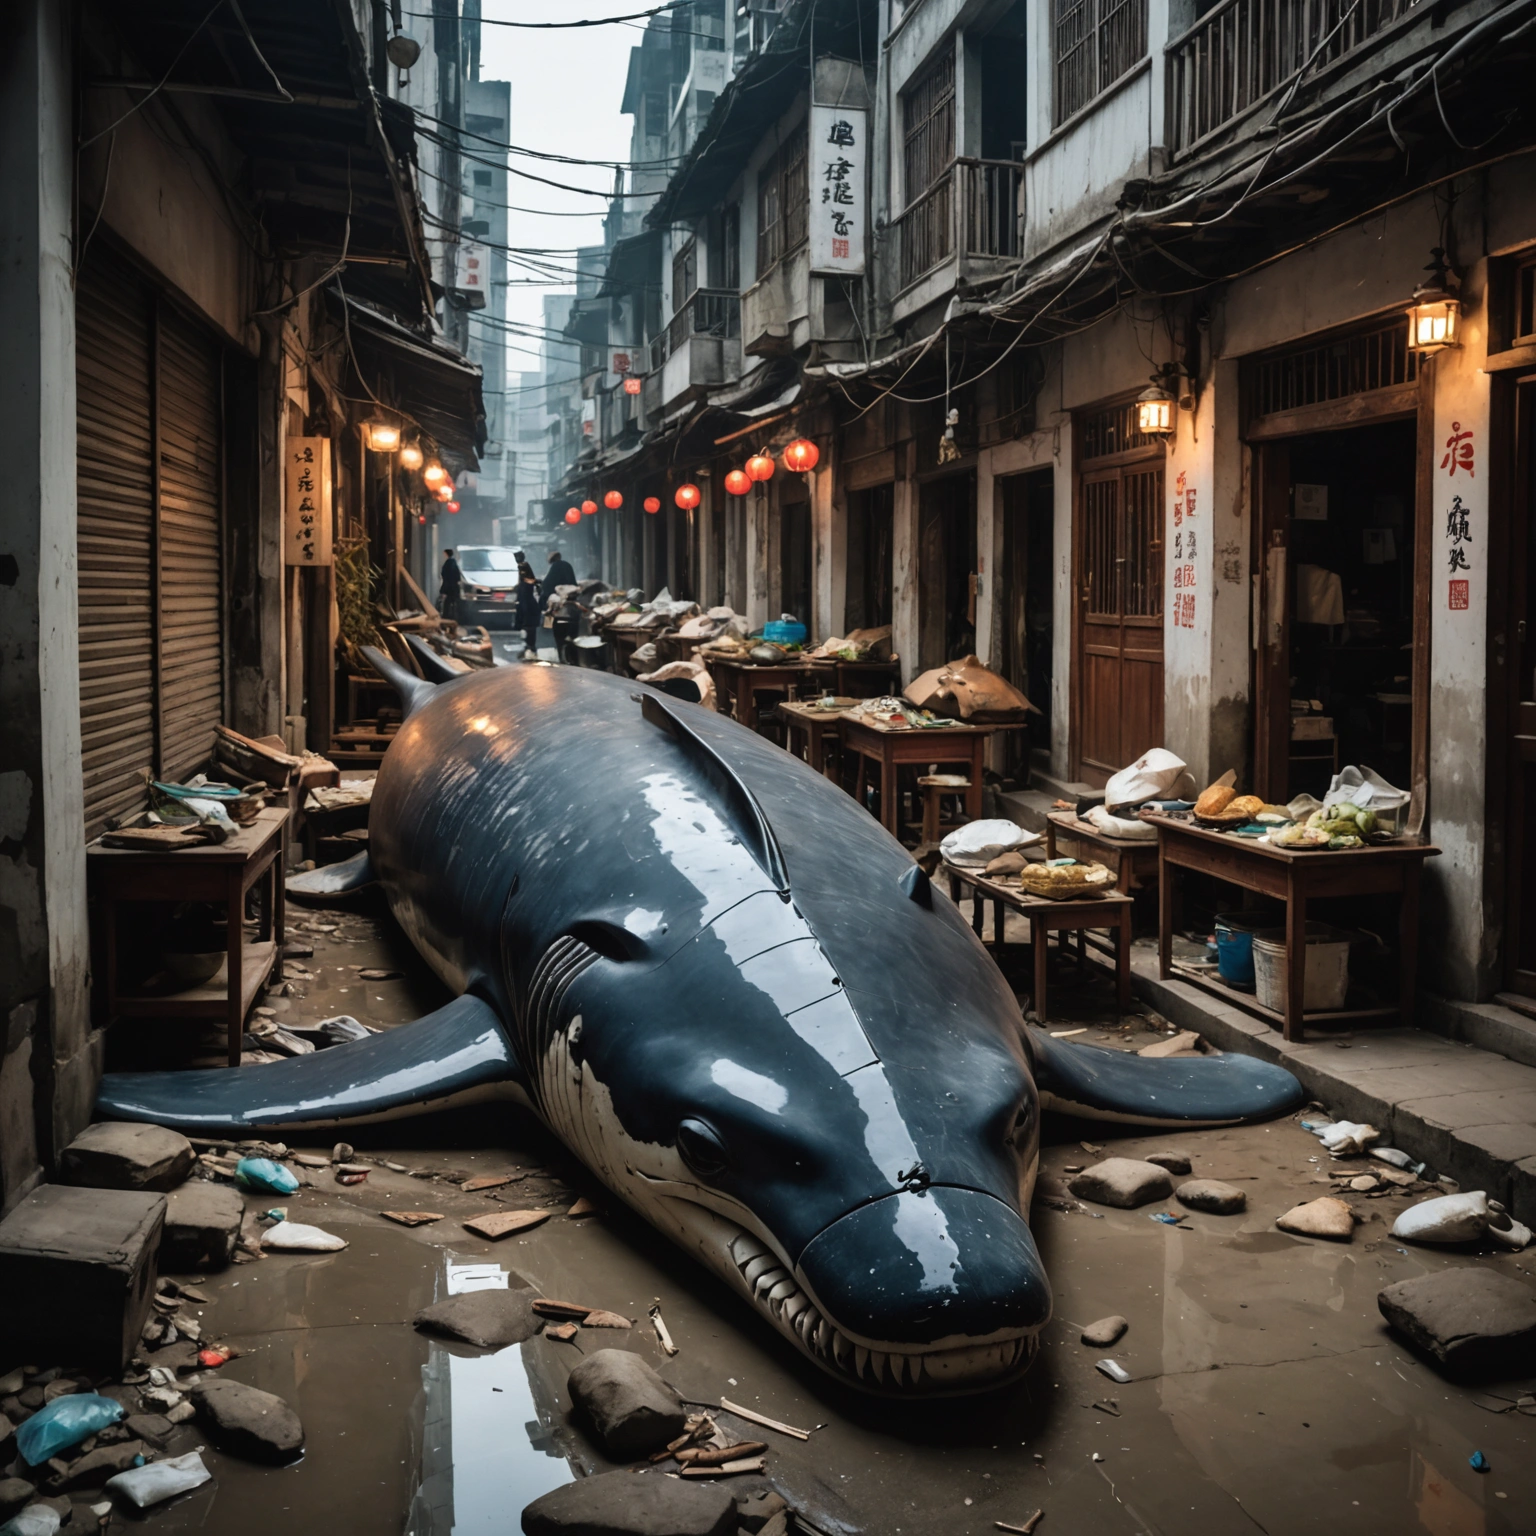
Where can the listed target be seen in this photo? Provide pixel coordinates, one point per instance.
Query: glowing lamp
(801, 455)
(444, 493)
(588, 508)
(410, 457)
(1434, 317)
(421, 517)
(434, 475)
(632, 386)
(382, 436)
(573, 515)
(613, 500)
(737, 483)
(652, 504)
(1154, 411)
(687, 497)
(451, 506)
(759, 467)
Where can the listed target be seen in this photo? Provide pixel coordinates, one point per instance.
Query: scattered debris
(1479, 1462)
(632, 1411)
(1324, 1217)
(160, 1480)
(1185, 1042)
(262, 1173)
(1105, 1332)
(1110, 1405)
(1024, 1529)
(583, 1207)
(489, 1319)
(1343, 1138)
(561, 1333)
(373, 974)
(1114, 1370)
(490, 1181)
(249, 1421)
(63, 1423)
(412, 1218)
(1123, 1182)
(719, 1455)
(1174, 1160)
(297, 1237)
(504, 1225)
(662, 1335)
(725, 1469)
(757, 1418)
(601, 1319)
(566, 1311)
(1463, 1218)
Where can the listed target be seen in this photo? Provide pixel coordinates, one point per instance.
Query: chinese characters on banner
(839, 167)
(1459, 458)
(472, 273)
(307, 501)
(1186, 547)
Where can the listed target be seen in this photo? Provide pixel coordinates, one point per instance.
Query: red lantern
(421, 517)
(613, 501)
(652, 504)
(759, 467)
(573, 515)
(801, 455)
(588, 508)
(631, 386)
(737, 483)
(687, 497)
(452, 506)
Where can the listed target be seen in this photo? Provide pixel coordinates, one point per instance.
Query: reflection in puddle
(491, 1440)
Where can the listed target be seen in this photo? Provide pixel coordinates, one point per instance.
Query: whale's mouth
(908, 1370)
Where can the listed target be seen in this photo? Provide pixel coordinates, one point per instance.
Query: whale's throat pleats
(540, 1018)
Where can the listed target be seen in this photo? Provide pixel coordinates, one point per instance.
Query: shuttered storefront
(151, 592)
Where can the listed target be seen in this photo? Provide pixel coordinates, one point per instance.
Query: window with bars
(783, 201)
(1335, 369)
(1113, 430)
(928, 127)
(1093, 43)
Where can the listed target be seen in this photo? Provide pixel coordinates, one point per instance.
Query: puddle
(491, 1439)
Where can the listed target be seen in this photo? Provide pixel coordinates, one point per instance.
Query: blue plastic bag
(66, 1421)
(263, 1173)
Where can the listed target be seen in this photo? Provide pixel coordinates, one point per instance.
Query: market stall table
(623, 642)
(1067, 835)
(220, 873)
(1109, 909)
(857, 679)
(1294, 877)
(738, 682)
(809, 727)
(892, 747)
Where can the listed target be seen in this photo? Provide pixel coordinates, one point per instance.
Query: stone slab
(202, 1226)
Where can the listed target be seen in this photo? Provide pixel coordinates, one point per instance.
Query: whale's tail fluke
(414, 691)
(1102, 1084)
(434, 668)
(454, 1056)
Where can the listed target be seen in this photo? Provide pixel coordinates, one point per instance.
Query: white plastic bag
(1366, 788)
(34, 1520)
(977, 843)
(1153, 776)
(160, 1480)
(295, 1237)
(1459, 1218)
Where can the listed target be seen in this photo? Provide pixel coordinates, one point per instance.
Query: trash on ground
(262, 1173)
(662, 1335)
(412, 1218)
(566, 1311)
(1025, 1527)
(562, 1333)
(64, 1422)
(1324, 1217)
(757, 1418)
(1114, 1370)
(1462, 1218)
(160, 1480)
(602, 1319)
(212, 1359)
(1343, 1138)
(297, 1237)
(718, 1455)
(583, 1207)
(728, 1469)
(490, 1181)
(497, 1227)
(1478, 1462)
(1105, 1332)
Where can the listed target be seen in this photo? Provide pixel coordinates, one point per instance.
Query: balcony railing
(974, 208)
(1245, 50)
(706, 312)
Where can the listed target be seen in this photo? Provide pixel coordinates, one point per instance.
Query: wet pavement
(1266, 1392)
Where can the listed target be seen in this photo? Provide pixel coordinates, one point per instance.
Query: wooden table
(1067, 835)
(737, 683)
(1294, 877)
(893, 747)
(808, 728)
(215, 872)
(623, 642)
(1110, 909)
(858, 679)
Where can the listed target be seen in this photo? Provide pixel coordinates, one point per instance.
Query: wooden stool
(934, 787)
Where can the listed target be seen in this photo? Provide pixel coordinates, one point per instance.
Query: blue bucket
(1234, 946)
(781, 632)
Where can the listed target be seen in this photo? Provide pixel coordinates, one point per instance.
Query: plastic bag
(977, 843)
(160, 1480)
(34, 1520)
(263, 1173)
(64, 1422)
(296, 1237)
(1365, 787)
(1153, 776)
(1459, 1218)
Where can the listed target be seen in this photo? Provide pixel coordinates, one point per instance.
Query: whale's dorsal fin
(746, 814)
(413, 691)
(433, 667)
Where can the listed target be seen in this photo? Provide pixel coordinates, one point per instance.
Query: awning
(427, 380)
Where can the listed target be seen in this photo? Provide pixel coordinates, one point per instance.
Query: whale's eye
(701, 1147)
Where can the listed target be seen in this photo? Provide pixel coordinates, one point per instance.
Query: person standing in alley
(530, 610)
(451, 588)
(561, 574)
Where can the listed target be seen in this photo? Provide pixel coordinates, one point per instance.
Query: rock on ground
(1125, 1182)
(249, 1421)
(489, 1319)
(95, 1467)
(1174, 1160)
(1213, 1196)
(631, 1409)
(1325, 1217)
(15, 1493)
(118, 1154)
(1106, 1331)
(202, 1226)
(1471, 1321)
(621, 1504)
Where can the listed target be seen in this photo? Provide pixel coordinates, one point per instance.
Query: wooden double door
(1118, 609)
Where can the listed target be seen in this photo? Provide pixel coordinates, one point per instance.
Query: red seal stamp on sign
(1460, 597)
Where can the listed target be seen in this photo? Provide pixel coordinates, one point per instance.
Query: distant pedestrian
(530, 609)
(452, 587)
(561, 574)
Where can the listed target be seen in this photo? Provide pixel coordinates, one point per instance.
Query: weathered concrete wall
(48, 1056)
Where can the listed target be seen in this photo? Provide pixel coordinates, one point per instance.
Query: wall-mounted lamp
(1155, 405)
(1434, 317)
(381, 436)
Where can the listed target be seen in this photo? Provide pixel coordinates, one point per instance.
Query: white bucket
(1327, 969)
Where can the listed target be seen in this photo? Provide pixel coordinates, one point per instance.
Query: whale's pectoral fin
(454, 1056)
(332, 879)
(434, 668)
(414, 691)
(1102, 1084)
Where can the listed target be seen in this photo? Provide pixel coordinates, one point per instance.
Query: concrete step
(1489, 1026)
(1047, 783)
(1465, 1111)
(1025, 806)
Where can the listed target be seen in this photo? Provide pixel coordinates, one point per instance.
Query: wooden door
(1520, 922)
(1119, 616)
(1272, 667)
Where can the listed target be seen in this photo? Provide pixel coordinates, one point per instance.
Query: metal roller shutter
(115, 474)
(191, 566)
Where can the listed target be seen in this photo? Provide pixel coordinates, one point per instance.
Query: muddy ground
(1267, 1394)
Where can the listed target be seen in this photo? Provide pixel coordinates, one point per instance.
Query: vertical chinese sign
(472, 273)
(839, 172)
(1185, 551)
(1459, 457)
(307, 501)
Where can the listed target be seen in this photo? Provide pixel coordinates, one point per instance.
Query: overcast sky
(566, 90)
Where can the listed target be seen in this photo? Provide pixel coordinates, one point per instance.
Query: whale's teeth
(794, 1306)
(878, 1360)
(824, 1336)
(767, 1280)
(744, 1249)
(860, 1360)
(756, 1267)
(781, 1293)
(897, 1364)
(841, 1347)
(914, 1369)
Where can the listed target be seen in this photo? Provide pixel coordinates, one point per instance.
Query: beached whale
(736, 999)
